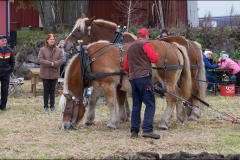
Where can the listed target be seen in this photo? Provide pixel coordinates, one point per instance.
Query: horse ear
(89, 22)
(68, 96)
(83, 15)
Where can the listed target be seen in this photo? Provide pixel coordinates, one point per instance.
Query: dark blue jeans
(142, 91)
(4, 90)
(211, 77)
(49, 90)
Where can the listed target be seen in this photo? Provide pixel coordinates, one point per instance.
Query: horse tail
(185, 77)
(62, 103)
(201, 76)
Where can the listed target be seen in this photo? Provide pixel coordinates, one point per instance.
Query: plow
(213, 112)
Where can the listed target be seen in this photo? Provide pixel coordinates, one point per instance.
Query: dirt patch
(178, 155)
(202, 155)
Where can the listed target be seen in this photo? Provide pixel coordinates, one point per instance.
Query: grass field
(27, 131)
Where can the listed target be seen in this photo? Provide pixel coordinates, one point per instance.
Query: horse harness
(117, 38)
(168, 67)
(87, 32)
(72, 106)
(86, 70)
(195, 66)
(88, 75)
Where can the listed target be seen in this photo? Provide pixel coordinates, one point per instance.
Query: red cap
(143, 32)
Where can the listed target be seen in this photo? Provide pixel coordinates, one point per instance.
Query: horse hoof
(111, 126)
(124, 120)
(191, 118)
(179, 124)
(161, 127)
(89, 123)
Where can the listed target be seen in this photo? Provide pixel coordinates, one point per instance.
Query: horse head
(71, 101)
(81, 31)
(72, 109)
(93, 30)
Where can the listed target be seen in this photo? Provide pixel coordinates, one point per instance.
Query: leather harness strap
(166, 67)
(196, 66)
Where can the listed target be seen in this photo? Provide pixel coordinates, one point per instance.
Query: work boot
(134, 134)
(208, 92)
(151, 135)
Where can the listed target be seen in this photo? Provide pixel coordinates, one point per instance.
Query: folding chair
(15, 85)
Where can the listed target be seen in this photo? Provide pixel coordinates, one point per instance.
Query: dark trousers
(49, 86)
(238, 79)
(4, 90)
(211, 77)
(142, 91)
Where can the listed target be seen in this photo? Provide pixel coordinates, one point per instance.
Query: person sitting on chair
(226, 62)
(230, 74)
(209, 66)
(7, 66)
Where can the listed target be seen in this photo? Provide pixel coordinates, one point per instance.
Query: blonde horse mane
(80, 23)
(130, 34)
(62, 103)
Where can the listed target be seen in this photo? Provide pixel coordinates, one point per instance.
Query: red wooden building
(4, 17)
(146, 13)
(23, 17)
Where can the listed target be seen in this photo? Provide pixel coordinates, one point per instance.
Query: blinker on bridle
(87, 32)
(72, 106)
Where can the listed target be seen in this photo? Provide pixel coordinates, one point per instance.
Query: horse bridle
(72, 106)
(87, 32)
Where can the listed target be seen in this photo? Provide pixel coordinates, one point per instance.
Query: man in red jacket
(137, 63)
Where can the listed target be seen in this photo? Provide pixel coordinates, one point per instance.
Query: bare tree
(46, 15)
(73, 10)
(132, 8)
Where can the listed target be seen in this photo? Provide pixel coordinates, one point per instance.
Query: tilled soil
(203, 155)
(178, 156)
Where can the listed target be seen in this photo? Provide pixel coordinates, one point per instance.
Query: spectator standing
(66, 58)
(164, 33)
(137, 63)
(6, 68)
(50, 58)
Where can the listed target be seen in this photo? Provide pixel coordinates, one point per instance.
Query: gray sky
(217, 8)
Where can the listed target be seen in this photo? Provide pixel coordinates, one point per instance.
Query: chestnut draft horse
(106, 60)
(198, 74)
(91, 30)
